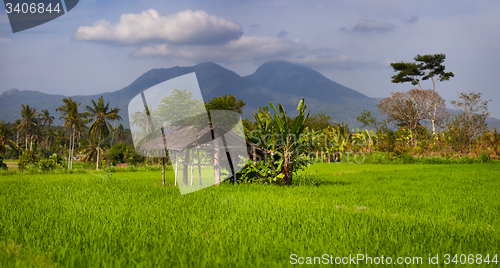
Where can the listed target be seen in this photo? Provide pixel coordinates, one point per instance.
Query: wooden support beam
(176, 164)
(185, 171)
(163, 170)
(192, 169)
(199, 164)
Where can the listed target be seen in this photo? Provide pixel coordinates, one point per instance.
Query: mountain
(321, 94)
(278, 81)
(294, 79)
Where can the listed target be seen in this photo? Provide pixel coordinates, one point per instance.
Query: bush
(388, 158)
(485, 158)
(3, 166)
(27, 158)
(117, 153)
(47, 164)
(58, 159)
(131, 157)
(407, 159)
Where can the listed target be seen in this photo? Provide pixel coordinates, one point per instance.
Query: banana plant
(366, 138)
(282, 137)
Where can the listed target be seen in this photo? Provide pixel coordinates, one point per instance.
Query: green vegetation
(128, 219)
(282, 137)
(381, 191)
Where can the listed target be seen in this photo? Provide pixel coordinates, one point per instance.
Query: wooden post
(192, 169)
(229, 160)
(216, 162)
(185, 168)
(176, 164)
(163, 170)
(199, 164)
(163, 158)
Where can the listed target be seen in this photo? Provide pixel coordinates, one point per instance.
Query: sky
(103, 46)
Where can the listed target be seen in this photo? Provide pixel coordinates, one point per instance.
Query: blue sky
(102, 46)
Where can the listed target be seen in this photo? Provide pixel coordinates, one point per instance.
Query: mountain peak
(11, 92)
(208, 64)
(289, 78)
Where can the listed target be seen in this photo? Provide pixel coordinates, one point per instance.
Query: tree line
(35, 137)
(416, 123)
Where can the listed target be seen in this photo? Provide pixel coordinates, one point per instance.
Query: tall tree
(5, 140)
(465, 127)
(100, 127)
(17, 127)
(426, 67)
(409, 108)
(319, 121)
(121, 132)
(72, 119)
(46, 119)
(29, 121)
(225, 103)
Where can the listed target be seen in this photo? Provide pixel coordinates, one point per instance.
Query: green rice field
(128, 219)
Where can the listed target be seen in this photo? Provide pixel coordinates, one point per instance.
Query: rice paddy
(127, 219)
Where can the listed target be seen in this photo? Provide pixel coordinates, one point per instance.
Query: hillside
(280, 82)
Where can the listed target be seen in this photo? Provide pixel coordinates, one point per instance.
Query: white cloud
(245, 48)
(252, 48)
(4, 40)
(197, 37)
(185, 27)
(366, 26)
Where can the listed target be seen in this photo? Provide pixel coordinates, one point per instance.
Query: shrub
(59, 160)
(27, 158)
(485, 158)
(47, 164)
(131, 157)
(117, 153)
(3, 166)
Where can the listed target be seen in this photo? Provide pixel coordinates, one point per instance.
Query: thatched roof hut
(202, 139)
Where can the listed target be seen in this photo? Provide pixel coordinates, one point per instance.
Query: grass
(128, 219)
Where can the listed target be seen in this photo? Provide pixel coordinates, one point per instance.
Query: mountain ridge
(276, 81)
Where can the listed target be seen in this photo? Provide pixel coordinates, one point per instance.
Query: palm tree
(121, 132)
(17, 127)
(72, 119)
(49, 134)
(29, 121)
(5, 140)
(46, 119)
(100, 127)
(89, 154)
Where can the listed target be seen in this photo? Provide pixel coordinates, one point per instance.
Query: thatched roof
(178, 139)
(189, 137)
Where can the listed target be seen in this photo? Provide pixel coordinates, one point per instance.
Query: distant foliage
(117, 153)
(464, 128)
(27, 158)
(3, 166)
